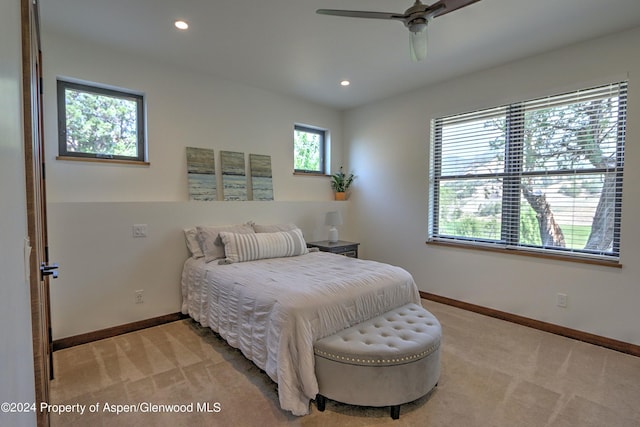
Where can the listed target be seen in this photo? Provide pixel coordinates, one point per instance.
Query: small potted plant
(340, 182)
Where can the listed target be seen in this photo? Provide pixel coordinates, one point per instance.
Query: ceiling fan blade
(450, 6)
(360, 14)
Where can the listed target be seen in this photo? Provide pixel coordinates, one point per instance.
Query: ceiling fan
(415, 19)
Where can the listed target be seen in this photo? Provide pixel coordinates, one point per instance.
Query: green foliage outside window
(308, 150)
(100, 124)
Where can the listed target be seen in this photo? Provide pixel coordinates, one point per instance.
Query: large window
(99, 123)
(542, 175)
(308, 150)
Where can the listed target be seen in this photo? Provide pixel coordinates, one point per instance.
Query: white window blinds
(540, 175)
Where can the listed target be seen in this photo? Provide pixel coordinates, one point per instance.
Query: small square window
(99, 123)
(308, 150)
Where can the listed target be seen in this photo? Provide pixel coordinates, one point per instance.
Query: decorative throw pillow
(209, 239)
(191, 234)
(272, 228)
(249, 247)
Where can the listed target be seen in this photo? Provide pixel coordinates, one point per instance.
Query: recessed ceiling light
(345, 83)
(181, 25)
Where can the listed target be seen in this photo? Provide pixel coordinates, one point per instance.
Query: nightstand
(340, 247)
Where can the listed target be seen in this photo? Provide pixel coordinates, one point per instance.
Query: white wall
(16, 354)
(391, 202)
(102, 265)
(92, 206)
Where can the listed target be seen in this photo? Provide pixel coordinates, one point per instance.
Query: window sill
(309, 174)
(96, 160)
(557, 257)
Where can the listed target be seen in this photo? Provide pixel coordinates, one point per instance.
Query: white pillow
(209, 239)
(249, 247)
(191, 234)
(272, 228)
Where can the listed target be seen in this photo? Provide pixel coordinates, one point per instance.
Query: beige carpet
(494, 373)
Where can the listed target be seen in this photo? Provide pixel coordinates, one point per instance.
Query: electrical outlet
(140, 230)
(139, 298)
(561, 300)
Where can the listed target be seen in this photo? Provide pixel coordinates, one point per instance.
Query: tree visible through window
(541, 175)
(100, 123)
(308, 149)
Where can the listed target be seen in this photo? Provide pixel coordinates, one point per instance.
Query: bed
(273, 309)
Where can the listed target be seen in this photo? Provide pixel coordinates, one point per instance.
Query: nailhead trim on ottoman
(391, 359)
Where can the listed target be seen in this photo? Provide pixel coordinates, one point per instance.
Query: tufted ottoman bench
(385, 361)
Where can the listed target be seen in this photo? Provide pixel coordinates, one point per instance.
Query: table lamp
(333, 218)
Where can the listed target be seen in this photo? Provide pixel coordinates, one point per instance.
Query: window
(542, 175)
(100, 123)
(308, 150)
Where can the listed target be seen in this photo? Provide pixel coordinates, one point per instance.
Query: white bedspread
(273, 310)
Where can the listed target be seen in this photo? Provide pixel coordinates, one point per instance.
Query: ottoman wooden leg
(395, 412)
(321, 401)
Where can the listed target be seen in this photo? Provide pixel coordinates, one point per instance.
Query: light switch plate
(561, 300)
(140, 230)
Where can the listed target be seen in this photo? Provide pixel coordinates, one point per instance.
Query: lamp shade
(333, 218)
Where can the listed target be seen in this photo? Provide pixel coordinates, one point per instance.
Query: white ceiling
(284, 46)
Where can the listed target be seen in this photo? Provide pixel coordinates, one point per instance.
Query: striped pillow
(249, 247)
(209, 239)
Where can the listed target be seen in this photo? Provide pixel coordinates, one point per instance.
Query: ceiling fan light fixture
(417, 25)
(418, 44)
